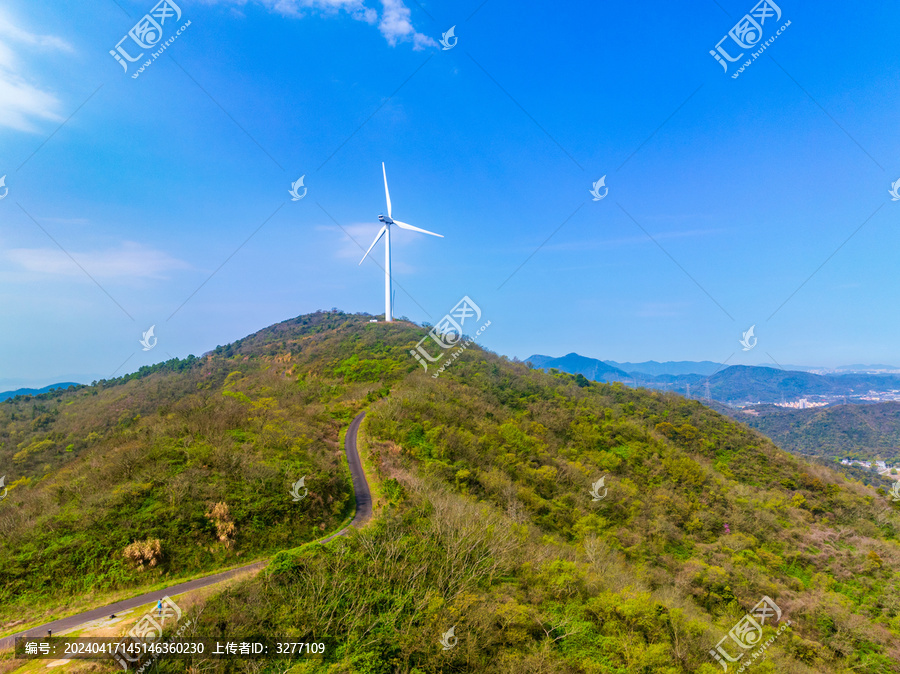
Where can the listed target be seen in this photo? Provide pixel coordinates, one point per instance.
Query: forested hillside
(180, 468)
(491, 529)
(838, 431)
(555, 524)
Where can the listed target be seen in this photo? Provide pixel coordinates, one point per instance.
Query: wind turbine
(385, 231)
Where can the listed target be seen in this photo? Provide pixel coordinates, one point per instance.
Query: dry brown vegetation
(488, 524)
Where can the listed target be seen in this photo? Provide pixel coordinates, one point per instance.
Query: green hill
(591, 368)
(147, 457)
(838, 431)
(489, 524)
(751, 383)
(35, 391)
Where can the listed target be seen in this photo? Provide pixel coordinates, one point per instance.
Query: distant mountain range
(572, 363)
(708, 367)
(4, 395)
(676, 367)
(733, 384)
(856, 368)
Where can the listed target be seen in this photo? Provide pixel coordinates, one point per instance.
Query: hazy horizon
(163, 199)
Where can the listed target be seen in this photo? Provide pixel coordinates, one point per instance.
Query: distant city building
(801, 404)
(881, 467)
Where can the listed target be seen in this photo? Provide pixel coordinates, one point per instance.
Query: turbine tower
(385, 231)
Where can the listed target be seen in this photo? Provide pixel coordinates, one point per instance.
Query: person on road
(159, 607)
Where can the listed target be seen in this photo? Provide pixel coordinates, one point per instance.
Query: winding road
(363, 514)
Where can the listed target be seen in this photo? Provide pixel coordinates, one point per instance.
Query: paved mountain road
(363, 513)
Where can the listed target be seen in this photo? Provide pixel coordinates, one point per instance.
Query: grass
(185, 601)
(365, 457)
(108, 598)
(104, 599)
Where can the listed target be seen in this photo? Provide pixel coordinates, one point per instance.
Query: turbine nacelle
(386, 219)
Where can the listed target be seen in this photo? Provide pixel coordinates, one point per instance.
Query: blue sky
(726, 198)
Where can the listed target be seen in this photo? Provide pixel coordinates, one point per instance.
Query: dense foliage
(489, 527)
(534, 522)
(146, 457)
(863, 432)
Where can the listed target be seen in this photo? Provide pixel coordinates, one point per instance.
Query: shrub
(147, 552)
(221, 518)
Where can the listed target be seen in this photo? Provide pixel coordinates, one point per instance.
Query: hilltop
(35, 391)
(591, 368)
(556, 524)
(116, 485)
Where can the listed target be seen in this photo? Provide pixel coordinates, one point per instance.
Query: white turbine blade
(387, 195)
(403, 225)
(377, 239)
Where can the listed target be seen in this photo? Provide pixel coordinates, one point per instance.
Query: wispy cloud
(22, 102)
(356, 238)
(354, 8)
(396, 26)
(130, 260)
(10, 31)
(352, 237)
(394, 21)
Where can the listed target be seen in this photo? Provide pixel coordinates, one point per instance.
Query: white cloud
(22, 102)
(394, 24)
(9, 30)
(130, 260)
(355, 238)
(299, 8)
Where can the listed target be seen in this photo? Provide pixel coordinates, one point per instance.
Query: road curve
(363, 514)
(360, 484)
